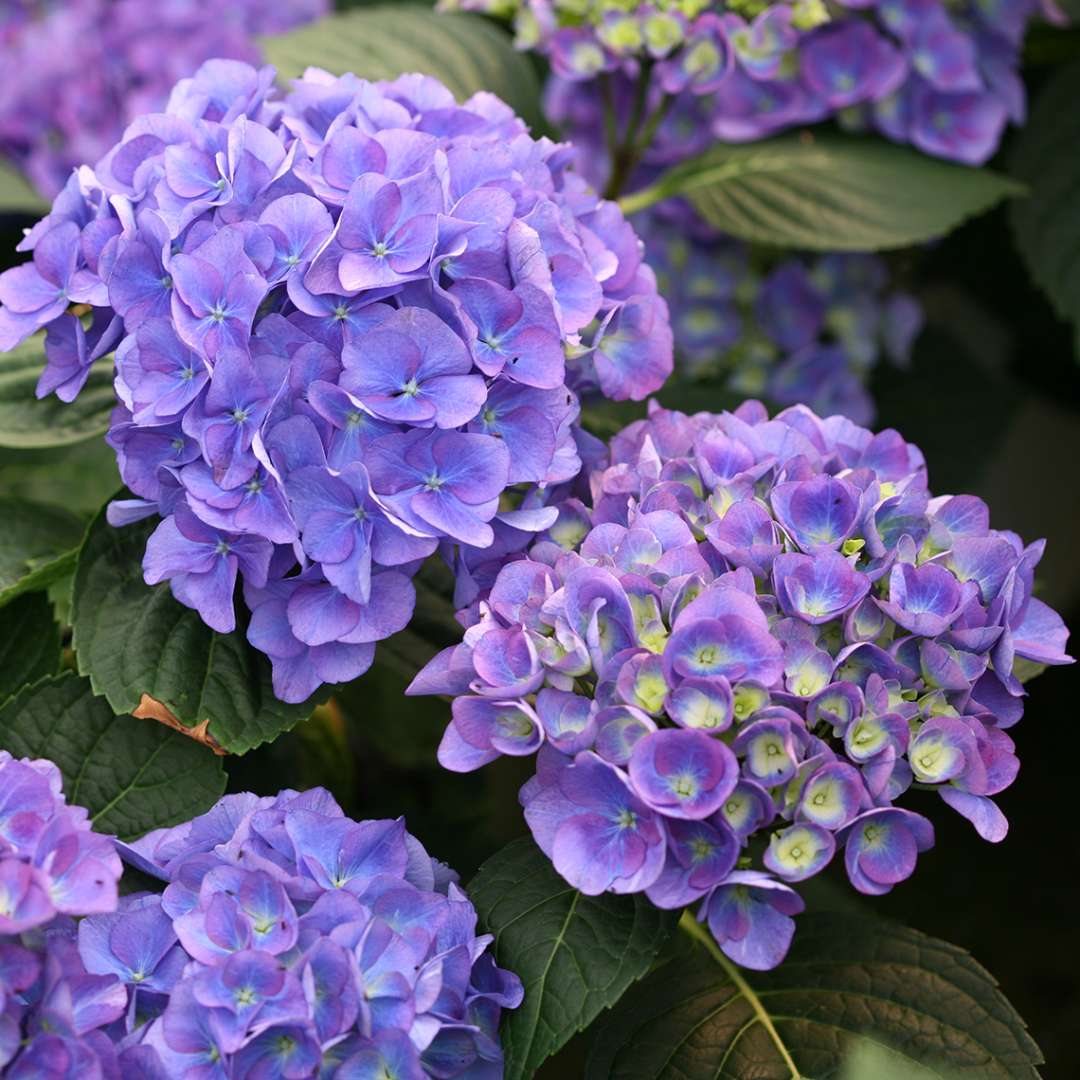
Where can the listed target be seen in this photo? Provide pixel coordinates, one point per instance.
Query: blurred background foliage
(993, 399)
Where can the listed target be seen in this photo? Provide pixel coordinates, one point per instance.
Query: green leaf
(79, 477)
(132, 775)
(575, 954)
(1047, 226)
(27, 423)
(38, 544)
(828, 192)
(17, 196)
(148, 654)
(30, 649)
(466, 52)
(847, 978)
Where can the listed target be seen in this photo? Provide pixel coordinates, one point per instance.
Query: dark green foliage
(925, 1002)
(132, 775)
(137, 642)
(576, 954)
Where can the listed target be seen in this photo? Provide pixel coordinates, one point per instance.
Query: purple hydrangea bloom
(942, 77)
(293, 941)
(52, 869)
(807, 329)
(347, 320)
(88, 67)
(719, 712)
(51, 863)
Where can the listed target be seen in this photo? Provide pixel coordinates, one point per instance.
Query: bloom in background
(740, 646)
(942, 77)
(345, 322)
(291, 941)
(52, 868)
(83, 69)
(807, 329)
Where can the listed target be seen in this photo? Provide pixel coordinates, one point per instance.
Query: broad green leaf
(925, 1003)
(575, 954)
(30, 644)
(466, 52)
(38, 544)
(27, 423)
(148, 654)
(1047, 225)
(828, 192)
(17, 196)
(79, 477)
(132, 775)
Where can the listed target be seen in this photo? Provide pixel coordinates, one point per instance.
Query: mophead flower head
(942, 77)
(345, 322)
(86, 68)
(53, 867)
(293, 941)
(739, 648)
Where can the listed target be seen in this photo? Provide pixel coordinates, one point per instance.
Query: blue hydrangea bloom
(943, 77)
(807, 329)
(52, 868)
(88, 67)
(292, 941)
(346, 320)
(743, 627)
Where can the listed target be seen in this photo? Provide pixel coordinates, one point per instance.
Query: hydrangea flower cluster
(942, 76)
(85, 68)
(345, 323)
(291, 941)
(738, 657)
(806, 329)
(52, 867)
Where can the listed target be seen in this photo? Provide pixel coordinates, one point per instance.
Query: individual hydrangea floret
(51, 862)
(941, 76)
(88, 67)
(53, 867)
(804, 329)
(345, 321)
(292, 941)
(742, 645)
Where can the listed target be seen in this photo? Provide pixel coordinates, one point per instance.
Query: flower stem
(629, 148)
(689, 925)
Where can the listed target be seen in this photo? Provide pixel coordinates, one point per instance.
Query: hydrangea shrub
(353, 325)
(755, 645)
(346, 321)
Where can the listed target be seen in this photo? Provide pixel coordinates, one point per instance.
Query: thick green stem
(611, 116)
(629, 148)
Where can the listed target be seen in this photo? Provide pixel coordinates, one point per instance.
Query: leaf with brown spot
(131, 776)
(152, 709)
(138, 644)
